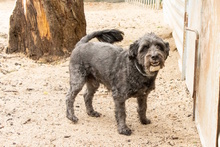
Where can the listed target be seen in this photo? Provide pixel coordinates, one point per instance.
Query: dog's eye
(159, 47)
(146, 46)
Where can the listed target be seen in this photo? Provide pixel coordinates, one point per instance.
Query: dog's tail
(109, 36)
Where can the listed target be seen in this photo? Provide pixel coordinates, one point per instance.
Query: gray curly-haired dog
(127, 73)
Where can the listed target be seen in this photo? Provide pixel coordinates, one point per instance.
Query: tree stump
(46, 28)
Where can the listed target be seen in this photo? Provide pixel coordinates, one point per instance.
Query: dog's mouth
(155, 63)
(154, 66)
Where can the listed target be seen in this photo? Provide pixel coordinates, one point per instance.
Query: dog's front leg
(120, 116)
(142, 108)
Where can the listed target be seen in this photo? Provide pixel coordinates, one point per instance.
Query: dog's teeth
(155, 64)
(154, 68)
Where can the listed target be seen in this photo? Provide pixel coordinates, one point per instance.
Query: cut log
(46, 28)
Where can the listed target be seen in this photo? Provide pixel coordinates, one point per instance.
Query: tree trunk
(46, 28)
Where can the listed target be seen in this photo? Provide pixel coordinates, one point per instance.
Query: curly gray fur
(121, 71)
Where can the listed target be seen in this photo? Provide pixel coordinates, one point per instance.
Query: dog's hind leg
(91, 86)
(76, 83)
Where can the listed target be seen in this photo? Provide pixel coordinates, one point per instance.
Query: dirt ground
(32, 94)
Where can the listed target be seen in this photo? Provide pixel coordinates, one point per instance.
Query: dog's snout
(154, 57)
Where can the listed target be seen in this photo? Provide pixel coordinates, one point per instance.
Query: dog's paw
(145, 121)
(94, 114)
(72, 118)
(124, 131)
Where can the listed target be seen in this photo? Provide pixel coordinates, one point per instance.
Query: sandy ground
(32, 94)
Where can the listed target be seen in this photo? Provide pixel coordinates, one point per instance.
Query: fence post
(157, 4)
(151, 1)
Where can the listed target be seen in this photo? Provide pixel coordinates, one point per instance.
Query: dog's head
(150, 52)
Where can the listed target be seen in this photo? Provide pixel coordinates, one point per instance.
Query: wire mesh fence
(154, 4)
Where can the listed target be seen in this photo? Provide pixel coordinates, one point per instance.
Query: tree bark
(46, 28)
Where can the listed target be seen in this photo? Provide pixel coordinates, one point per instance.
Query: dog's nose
(154, 57)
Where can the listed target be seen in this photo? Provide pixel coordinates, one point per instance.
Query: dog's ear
(133, 50)
(167, 48)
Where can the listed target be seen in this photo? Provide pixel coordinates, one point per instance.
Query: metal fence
(154, 4)
(109, 1)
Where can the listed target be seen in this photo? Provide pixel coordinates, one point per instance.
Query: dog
(126, 73)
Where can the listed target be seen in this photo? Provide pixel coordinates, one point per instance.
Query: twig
(8, 57)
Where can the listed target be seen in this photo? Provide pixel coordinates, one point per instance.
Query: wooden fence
(154, 4)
